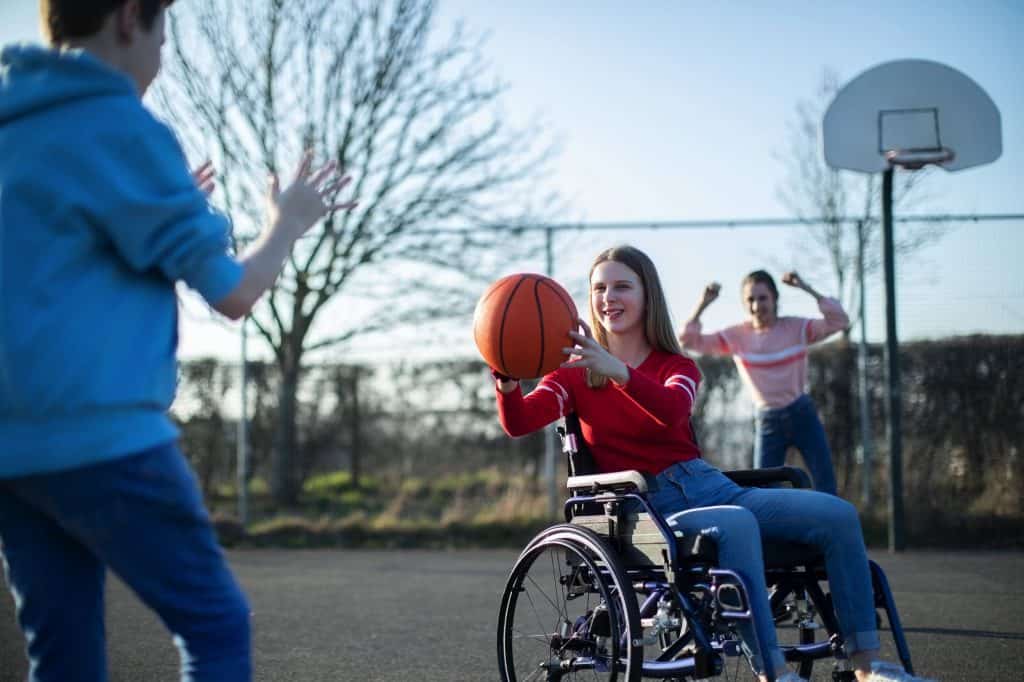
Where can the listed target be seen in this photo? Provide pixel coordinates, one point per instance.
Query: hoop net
(913, 159)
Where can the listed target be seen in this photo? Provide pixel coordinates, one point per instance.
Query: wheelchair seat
(635, 534)
(642, 543)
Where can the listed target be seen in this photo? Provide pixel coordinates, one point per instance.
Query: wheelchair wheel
(568, 612)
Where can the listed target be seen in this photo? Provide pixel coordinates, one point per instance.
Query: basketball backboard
(908, 113)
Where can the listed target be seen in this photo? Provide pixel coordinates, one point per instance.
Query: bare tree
(412, 115)
(812, 190)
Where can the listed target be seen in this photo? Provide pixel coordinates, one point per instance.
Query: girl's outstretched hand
(590, 354)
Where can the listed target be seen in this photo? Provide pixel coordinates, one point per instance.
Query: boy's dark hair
(64, 20)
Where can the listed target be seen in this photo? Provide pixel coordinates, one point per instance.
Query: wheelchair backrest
(581, 461)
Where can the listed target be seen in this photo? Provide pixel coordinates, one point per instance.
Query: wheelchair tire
(568, 612)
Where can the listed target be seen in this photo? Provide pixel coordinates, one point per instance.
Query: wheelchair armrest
(754, 478)
(615, 480)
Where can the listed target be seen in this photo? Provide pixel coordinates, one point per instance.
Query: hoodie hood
(34, 79)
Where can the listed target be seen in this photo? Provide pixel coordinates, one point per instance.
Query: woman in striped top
(770, 353)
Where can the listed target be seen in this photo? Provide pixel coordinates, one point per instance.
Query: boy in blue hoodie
(99, 218)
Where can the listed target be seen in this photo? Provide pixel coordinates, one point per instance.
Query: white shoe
(884, 671)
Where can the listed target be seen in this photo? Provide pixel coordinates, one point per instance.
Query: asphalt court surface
(430, 615)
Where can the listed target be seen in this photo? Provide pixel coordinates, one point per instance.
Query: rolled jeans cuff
(861, 641)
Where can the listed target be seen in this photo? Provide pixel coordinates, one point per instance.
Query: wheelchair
(619, 594)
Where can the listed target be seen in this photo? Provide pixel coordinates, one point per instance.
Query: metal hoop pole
(893, 398)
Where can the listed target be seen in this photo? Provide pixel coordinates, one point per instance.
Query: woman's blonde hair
(658, 328)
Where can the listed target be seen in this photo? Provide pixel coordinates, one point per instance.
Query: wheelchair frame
(655, 585)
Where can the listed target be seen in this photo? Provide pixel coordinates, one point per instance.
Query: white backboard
(911, 107)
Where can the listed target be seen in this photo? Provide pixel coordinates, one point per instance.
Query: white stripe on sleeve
(685, 383)
(561, 401)
(565, 393)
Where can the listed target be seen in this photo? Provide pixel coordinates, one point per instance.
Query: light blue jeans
(797, 425)
(143, 517)
(696, 497)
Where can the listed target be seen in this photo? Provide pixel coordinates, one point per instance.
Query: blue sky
(677, 110)
(665, 107)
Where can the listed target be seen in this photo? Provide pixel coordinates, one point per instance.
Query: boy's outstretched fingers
(204, 177)
(335, 186)
(322, 174)
(305, 164)
(343, 206)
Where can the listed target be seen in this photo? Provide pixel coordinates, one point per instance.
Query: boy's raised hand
(309, 197)
(204, 177)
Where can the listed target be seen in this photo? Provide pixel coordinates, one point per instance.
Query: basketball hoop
(911, 113)
(915, 159)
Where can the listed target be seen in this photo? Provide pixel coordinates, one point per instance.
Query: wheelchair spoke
(556, 621)
(542, 636)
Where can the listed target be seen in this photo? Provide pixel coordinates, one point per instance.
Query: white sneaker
(884, 671)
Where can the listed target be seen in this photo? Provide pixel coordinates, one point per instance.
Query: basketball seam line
(568, 308)
(540, 318)
(501, 330)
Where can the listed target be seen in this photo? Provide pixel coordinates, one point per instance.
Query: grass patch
(486, 508)
(493, 508)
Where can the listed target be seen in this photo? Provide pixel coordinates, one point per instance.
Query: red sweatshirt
(644, 425)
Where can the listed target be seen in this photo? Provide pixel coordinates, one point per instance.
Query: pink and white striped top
(773, 361)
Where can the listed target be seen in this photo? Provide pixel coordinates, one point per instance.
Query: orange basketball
(521, 324)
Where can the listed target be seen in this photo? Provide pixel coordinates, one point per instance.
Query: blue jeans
(143, 517)
(796, 424)
(698, 498)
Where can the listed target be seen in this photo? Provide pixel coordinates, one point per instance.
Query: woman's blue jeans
(698, 498)
(143, 517)
(797, 425)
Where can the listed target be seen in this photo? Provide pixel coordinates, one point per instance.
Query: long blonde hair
(658, 329)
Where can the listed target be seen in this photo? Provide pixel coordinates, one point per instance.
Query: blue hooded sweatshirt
(99, 217)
